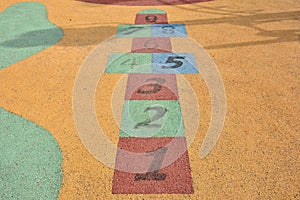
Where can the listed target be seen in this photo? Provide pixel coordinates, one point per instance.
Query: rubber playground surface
(159, 99)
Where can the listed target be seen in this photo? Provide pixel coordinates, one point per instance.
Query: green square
(129, 63)
(134, 31)
(147, 118)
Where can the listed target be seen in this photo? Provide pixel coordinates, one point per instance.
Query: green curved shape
(152, 11)
(30, 160)
(24, 31)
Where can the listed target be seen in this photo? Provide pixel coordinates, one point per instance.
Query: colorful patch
(151, 45)
(31, 160)
(151, 87)
(169, 30)
(136, 31)
(174, 178)
(151, 19)
(24, 31)
(152, 11)
(145, 118)
(148, 30)
(125, 63)
(174, 63)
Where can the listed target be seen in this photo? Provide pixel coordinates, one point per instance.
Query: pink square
(151, 87)
(173, 179)
(151, 45)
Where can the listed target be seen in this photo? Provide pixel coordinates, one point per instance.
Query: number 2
(161, 111)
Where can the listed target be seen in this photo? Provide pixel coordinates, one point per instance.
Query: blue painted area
(174, 63)
(133, 31)
(30, 160)
(154, 30)
(169, 30)
(147, 63)
(24, 31)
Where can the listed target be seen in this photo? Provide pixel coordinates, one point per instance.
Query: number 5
(171, 59)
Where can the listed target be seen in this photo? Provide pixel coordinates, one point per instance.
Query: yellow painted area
(255, 45)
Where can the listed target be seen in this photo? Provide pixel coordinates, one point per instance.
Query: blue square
(174, 63)
(169, 30)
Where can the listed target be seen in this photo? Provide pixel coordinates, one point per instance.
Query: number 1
(154, 167)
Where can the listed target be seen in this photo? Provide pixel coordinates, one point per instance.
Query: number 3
(156, 86)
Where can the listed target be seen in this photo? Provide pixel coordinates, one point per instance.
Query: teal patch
(136, 31)
(24, 31)
(147, 118)
(152, 11)
(30, 166)
(128, 63)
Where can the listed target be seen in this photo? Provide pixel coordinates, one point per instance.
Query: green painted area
(163, 119)
(152, 11)
(24, 31)
(126, 63)
(136, 31)
(30, 166)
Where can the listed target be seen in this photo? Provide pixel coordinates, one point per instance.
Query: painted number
(160, 112)
(156, 87)
(133, 62)
(152, 44)
(158, 157)
(175, 60)
(131, 30)
(168, 29)
(151, 18)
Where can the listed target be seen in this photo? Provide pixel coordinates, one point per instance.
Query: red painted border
(144, 2)
(151, 45)
(151, 19)
(137, 83)
(178, 179)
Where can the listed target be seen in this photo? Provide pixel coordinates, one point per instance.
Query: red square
(151, 19)
(151, 45)
(151, 87)
(173, 179)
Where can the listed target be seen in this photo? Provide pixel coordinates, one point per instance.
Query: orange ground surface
(255, 44)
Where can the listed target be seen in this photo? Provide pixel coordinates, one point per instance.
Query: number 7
(131, 29)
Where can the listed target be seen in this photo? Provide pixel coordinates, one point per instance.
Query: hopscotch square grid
(174, 63)
(151, 30)
(166, 119)
(156, 63)
(178, 172)
(151, 87)
(126, 63)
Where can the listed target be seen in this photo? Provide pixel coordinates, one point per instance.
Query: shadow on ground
(93, 34)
